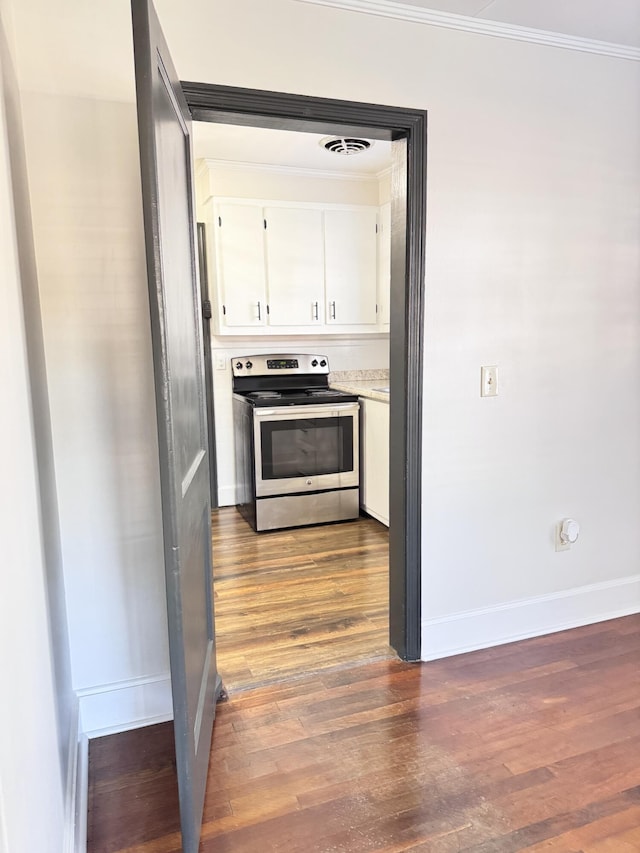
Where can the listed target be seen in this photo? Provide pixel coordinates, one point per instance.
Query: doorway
(406, 130)
(300, 598)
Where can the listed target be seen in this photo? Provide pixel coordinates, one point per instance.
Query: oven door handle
(304, 411)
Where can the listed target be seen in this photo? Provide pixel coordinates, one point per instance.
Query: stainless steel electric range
(296, 442)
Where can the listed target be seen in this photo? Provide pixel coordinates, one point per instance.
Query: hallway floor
(530, 747)
(296, 601)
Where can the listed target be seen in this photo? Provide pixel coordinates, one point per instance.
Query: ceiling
(615, 21)
(284, 148)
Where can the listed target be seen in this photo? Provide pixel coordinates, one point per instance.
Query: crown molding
(420, 15)
(294, 171)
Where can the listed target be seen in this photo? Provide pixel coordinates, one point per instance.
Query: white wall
(32, 769)
(88, 224)
(532, 264)
(66, 703)
(533, 226)
(279, 184)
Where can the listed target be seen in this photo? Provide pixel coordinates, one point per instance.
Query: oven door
(300, 449)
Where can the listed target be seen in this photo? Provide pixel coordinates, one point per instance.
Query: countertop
(362, 382)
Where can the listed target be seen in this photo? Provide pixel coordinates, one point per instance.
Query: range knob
(323, 363)
(238, 365)
(314, 363)
(248, 365)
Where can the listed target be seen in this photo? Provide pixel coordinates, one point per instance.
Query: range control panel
(283, 365)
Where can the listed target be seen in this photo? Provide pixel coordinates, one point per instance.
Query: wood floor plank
(296, 601)
(527, 747)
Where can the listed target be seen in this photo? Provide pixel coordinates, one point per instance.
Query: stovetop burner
(297, 397)
(264, 395)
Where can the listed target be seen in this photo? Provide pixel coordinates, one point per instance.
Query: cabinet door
(384, 266)
(350, 266)
(240, 264)
(375, 458)
(295, 273)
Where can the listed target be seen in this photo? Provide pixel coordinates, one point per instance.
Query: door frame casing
(407, 130)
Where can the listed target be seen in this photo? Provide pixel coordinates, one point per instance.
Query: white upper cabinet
(350, 266)
(295, 266)
(288, 268)
(242, 285)
(384, 267)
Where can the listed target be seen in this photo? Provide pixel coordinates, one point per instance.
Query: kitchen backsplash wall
(279, 183)
(352, 354)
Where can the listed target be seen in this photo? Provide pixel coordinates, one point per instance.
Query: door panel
(176, 327)
(178, 285)
(350, 266)
(240, 254)
(295, 266)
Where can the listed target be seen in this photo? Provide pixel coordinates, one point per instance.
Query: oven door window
(306, 447)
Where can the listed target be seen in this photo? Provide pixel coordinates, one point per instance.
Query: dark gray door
(176, 327)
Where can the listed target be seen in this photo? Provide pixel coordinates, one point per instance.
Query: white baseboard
(532, 617)
(227, 496)
(376, 515)
(101, 710)
(124, 705)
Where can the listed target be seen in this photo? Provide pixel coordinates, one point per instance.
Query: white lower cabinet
(374, 458)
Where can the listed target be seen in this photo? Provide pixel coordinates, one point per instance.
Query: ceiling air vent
(345, 144)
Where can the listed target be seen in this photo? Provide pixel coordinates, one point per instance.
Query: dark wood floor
(296, 601)
(532, 746)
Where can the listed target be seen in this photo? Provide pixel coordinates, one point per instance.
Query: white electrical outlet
(489, 381)
(221, 362)
(567, 532)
